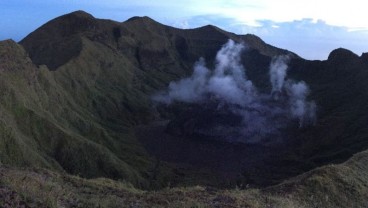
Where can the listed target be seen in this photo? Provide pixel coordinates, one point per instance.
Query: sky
(310, 28)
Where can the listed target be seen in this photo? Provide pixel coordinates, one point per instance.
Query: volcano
(96, 112)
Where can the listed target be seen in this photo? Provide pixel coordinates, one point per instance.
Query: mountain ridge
(114, 67)
(46, 38)
(74, 91)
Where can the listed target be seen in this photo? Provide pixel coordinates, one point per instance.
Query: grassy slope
(43, 126)
(344, 185)
(77, 111)
(78, 119)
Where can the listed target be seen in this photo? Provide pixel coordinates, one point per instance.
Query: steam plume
(278, 69)
(301, 109)
(226, 82)
(263, 115)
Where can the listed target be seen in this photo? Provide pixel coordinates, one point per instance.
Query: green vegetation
(73, 92)
(43, 126)
(343, 185)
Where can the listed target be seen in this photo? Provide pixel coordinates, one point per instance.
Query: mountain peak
(364, 56)
(66, 25)
(341, 53)
(138, 18)
(43, 45)
(80, 14)
(145, 20)
(210, 27)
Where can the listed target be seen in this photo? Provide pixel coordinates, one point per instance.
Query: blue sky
(311, 28)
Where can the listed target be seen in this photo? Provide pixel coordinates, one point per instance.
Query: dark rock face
(202, 120)
(232, 123)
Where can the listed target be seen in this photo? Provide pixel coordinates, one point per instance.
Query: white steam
(301, 109)
(278, 69)
(227, 82)
(263, 115)
(297, 93)
(188, 90)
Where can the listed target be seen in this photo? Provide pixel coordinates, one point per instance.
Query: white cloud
(311, 39)
(351, 14)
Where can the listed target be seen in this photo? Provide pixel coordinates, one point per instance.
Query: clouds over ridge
(311, 39)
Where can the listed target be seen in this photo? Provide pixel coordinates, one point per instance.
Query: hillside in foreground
(78, 122)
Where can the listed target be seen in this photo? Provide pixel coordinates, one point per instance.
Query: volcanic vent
(223, 104)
